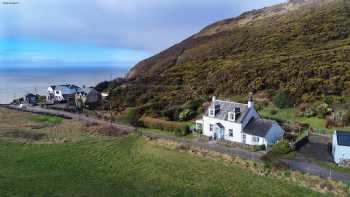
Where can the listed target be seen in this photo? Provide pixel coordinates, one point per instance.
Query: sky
(109, 32)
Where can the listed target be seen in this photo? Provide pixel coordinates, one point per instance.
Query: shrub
(187, 114)
(154, 123)
(171, 114)
(347, 117)
(194, 105)
(132, 117)
(321, 109)
(273, 112)
(283, 100)
(281, 148)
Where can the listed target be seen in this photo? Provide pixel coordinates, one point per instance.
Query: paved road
(298, 165)
(316, 170)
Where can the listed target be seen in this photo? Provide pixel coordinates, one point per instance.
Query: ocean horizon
(17, 82)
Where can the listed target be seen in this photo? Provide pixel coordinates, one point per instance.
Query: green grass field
(103, 166)
(47, 119)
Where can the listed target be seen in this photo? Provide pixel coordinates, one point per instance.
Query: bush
(187, 114)
(273, 112)
(194, 105)
(171, 114)
(281, 148)
(283, 100)
(347, 117)
(132, 117)
(179, 129)
(321, 109)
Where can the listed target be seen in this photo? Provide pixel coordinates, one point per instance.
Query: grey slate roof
(67, 89)
(343, 138)
(226, 107)
(258, 127)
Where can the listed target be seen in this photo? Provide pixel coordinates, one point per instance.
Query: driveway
(317, 170)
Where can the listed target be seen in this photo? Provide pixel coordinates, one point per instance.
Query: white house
(238, 122)
(341, 147)
(62, 93)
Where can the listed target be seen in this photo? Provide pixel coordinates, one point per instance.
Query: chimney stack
(250, 101)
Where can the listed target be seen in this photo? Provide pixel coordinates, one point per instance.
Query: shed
(93, 98)
(341, 147)
(31, 98)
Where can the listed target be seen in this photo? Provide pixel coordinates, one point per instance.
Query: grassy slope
(304, 52)
(100, 166)
(125, 167)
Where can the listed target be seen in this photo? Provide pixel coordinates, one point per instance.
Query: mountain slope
(302, 47)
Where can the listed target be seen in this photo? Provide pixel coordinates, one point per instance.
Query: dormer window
(211, 112)
(231, 116)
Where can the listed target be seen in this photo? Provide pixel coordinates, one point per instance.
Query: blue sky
(113, 32)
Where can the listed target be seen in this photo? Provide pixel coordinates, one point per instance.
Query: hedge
(154, 123)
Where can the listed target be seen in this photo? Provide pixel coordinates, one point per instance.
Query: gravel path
(69, 115)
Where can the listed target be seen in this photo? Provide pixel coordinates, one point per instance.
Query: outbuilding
(31, 99)
(341, 147)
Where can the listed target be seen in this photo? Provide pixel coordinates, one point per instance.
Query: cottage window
(211, 127)
(232, 116)
(255, 139)
(211, 112)
(230, 133)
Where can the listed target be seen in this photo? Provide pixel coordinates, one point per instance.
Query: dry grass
(315, 183)
(23, 127)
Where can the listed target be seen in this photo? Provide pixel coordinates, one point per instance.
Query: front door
(215, 136)
(244, 138)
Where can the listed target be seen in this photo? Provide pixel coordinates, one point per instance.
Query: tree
(283, 99)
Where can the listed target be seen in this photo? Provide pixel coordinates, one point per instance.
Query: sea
(17, 82)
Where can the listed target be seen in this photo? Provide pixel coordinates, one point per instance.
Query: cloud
(150, 25)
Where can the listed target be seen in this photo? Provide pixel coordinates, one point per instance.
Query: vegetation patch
(277, 171)
(52, 120)
(22, 134)
(180, 129)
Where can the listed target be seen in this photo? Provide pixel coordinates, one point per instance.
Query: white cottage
(341, 147)
(62, 93)
(238, 122)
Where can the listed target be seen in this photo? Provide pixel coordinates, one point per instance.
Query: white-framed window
(231, 116)
(211, 127)
(230, 132)
(244, 138)
(256, 139)
(211, 112)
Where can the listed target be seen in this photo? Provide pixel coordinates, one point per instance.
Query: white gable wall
(274, 134)
(340, 153)
(236, 127)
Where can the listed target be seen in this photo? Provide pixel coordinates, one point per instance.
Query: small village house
(237, 122)
(341, 147)
(90, 98)
(62, 93)
(31, 99)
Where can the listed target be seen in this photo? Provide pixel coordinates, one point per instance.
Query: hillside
(301, 47)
